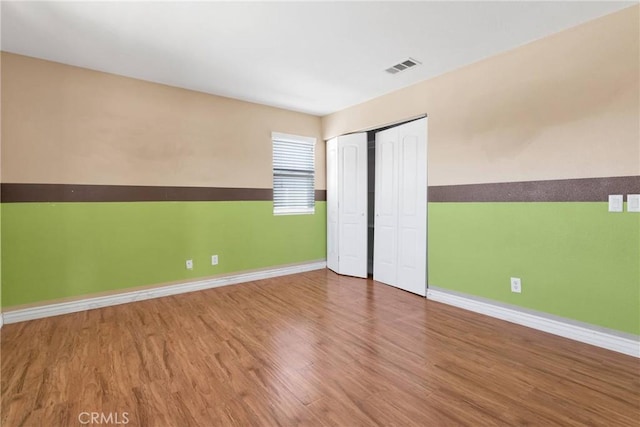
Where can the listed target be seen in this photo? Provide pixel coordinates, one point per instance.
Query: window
(293, 174)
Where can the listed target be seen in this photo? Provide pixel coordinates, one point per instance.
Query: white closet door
(386, 213)
(352, 204)
(400, 243)
(412, 207)
(332, 205)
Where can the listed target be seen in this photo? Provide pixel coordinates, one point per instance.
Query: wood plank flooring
(313, 349)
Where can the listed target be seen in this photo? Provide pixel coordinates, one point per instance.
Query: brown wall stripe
(561, 190)
(16, 193)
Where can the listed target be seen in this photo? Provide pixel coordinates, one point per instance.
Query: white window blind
(293, 174)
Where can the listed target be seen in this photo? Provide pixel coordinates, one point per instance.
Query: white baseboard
(1, 321)
(578, 333)
(140, 295)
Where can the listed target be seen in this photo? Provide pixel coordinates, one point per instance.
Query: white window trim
(285, 137)
(283, 211)
(293, 138)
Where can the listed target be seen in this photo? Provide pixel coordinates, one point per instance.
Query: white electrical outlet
(615, 202)
(189, 264)
(214, 259)
(516, 285)
(633, 202)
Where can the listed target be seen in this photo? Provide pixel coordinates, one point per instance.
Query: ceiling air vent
(404, 65)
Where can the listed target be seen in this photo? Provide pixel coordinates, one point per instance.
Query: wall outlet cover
(516, 285)
(189, 264)
(615, 202)
(214, 259)
(633, 202)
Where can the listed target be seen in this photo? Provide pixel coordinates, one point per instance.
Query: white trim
(294, 211)
(285, 137)
(578, 333)
(1, 321)
(126, 297)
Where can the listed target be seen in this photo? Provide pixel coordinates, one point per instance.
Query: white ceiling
(315, 57)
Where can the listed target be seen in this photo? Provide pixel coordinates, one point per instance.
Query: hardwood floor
(313, 349)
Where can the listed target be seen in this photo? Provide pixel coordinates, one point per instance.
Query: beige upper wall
(64, 124)
(566, 106)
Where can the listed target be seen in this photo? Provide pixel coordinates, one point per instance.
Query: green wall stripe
(576, 260)
(58, 250)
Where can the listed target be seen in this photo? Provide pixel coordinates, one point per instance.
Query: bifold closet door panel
(412, 207)
(400, 241)
(332, 205)
(352, 204)
(386, 212)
